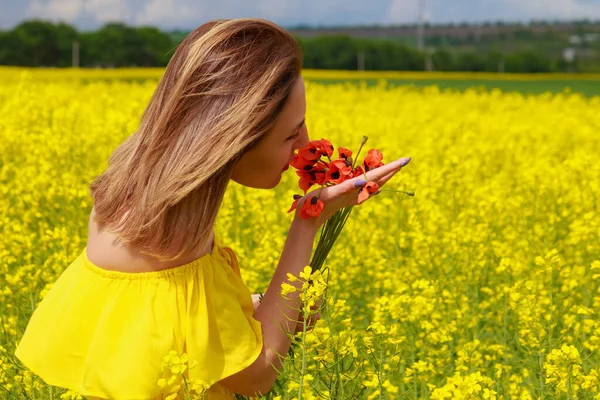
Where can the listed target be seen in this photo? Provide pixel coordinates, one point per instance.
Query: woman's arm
(312, 318)
(278, 315)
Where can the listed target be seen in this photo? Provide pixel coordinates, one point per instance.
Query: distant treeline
(37, 43)
(343, 52)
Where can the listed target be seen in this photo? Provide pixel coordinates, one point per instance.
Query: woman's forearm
(278, 315)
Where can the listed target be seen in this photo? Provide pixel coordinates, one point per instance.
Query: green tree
(470, 61)
(330, 52)
(119, 45)
(38, 43)
(528, 61)
(443, 60)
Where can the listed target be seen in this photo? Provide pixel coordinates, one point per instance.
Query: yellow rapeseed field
(485, 285)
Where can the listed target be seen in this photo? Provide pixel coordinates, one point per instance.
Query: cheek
(262, 167)
(277, 157)
(266, 163)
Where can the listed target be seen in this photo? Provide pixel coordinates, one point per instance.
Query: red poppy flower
(357, 171)
(367, 190)
(343, 165)
(312, 208)
(312, 151)
(373, 160)
(301, 163)
(307, 179)
(344, 153)
(334, 175)
(326, 148)
(319, 171)
(295, 203)
(314, 171)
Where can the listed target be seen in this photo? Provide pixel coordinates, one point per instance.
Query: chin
(275, 182)
(259, 184)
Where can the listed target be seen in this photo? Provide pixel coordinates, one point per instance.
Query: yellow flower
(306, 273)
(286, 289)
(291, 278)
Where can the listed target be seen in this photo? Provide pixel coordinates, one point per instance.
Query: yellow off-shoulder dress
(105, 333)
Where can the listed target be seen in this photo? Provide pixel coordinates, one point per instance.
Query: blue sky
(187, 14)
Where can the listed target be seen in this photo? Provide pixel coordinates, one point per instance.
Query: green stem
(357, 153)
(303, 372)
(410, 192)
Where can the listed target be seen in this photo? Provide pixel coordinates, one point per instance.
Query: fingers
(380, 175)
(386, 178)
(387, 169)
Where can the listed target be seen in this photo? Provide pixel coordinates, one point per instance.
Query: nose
(303, 140)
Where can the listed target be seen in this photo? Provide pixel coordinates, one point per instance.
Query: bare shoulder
(105, 250)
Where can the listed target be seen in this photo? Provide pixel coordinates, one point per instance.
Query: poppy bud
(364, 140)
(295, 203)
(367, 190)
(312, 208)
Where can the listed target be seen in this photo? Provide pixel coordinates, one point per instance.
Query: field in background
(586, 88)
(486, 284)
(586, 84)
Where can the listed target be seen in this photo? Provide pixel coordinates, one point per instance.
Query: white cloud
(561, 9)
(66, 10)
(108, 10)
(187, 14)
(168, 12)
(402, 11)
(71, 10)
(275, 9)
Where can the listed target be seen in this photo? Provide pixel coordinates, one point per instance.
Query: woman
(153, 278)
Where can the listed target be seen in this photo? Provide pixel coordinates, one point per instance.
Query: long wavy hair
(221, 92)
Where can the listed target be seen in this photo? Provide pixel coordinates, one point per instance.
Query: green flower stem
(303, 347)
(362, 143)
(329, 234)
(410, 192)
(320, 190)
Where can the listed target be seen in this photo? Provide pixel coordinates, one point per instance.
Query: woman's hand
(346, 193)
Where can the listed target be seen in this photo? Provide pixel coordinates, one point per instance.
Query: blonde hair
(220, 94)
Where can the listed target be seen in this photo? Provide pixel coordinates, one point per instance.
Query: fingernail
(406, 161)
(360, 182)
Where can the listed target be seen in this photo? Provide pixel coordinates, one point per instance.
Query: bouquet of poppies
(316, 165)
